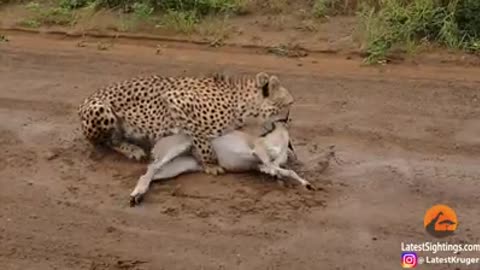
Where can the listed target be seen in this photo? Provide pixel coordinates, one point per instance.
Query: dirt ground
(409, 136)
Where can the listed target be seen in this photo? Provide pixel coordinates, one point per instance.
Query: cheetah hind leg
(102, 127)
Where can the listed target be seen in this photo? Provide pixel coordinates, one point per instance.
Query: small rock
(202, 214)
(159, 49)
(177, 191)
(169, 210)
(81, 44)
(50, 155)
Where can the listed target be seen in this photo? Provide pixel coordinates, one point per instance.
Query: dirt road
(409, 136)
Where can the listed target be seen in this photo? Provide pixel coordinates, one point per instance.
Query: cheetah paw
(137, 154)
(214, 169)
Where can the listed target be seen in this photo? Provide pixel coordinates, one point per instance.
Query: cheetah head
(273, 101)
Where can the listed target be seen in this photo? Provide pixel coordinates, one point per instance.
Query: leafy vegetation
(179, 21)
(74, 4)
(177, 15)
(3, 38)
(454, 24)
(142, 11)
(47, 15)
(200, 7)
(322, 8)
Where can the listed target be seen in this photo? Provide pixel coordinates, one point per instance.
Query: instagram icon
(409, 259)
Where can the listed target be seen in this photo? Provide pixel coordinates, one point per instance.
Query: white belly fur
(234, 153)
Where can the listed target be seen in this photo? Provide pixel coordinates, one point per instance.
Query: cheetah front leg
(202, 145)
(204, 152)
(120, 145)
(129, 150)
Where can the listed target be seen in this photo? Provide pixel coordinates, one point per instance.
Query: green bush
(57, 16)
(321, 8)
(142, 11)
(467, 17)
(179, 21)
(455, 24)
(44, 15)
(74, 4)
(200, 7)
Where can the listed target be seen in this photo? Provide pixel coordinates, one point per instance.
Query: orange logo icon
(440, 221)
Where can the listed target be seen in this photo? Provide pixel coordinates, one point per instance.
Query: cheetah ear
(262, 82)
(261, 79)
(273, 85)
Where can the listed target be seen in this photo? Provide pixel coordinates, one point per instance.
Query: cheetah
(127, 115)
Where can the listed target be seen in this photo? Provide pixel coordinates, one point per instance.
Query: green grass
(406, 24)
(409, 24)
(47, 15)
(74, 4)
(30, 23)
(142, 11)
(179, 21)
(56, 16)
(3, 38)
(184, 16)
(181, 16)
(201, 7)
(320, 8)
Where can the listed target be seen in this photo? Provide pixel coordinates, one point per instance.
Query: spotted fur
(145, 109)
